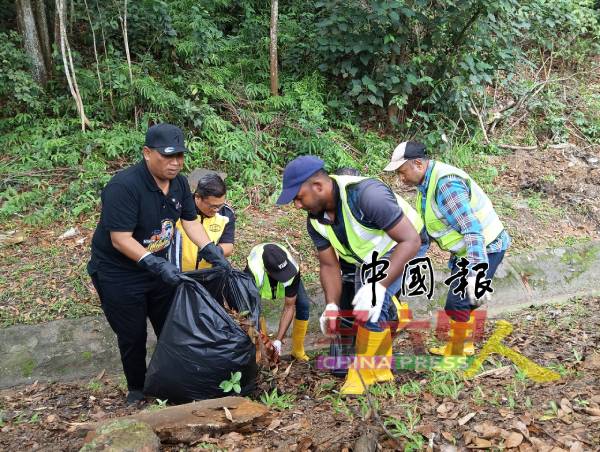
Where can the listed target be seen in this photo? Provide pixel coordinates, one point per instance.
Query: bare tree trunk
(57, 13)
(273, 48)
(65, 50)
(392, 110)
(123, 19)
(31, 41)
(41, 22)
(110, 94)
(71, 16)
(87, 10)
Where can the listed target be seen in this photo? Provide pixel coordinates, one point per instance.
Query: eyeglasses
(216, 207)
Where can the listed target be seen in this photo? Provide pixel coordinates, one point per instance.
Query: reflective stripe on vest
(257, 267)
(361, 239)
(214, 227)
(438, 228)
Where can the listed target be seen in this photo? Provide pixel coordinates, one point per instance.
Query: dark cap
(407, 150)
(296, 173)
(167, 139)
(277, 264)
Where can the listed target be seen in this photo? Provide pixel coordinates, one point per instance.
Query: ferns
(200, 65)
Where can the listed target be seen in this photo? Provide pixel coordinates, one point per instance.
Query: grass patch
(277, 401)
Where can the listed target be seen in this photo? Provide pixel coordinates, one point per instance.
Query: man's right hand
(471, 285)
(168, 272)
(328, 319)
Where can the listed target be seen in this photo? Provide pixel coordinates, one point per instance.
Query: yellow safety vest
(439, 229)
(261, 278)
(214, 227)
(362, 240)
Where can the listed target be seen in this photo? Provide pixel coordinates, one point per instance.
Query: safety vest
(214, 227)
(439, 229)
(361, 239)
(261, 278)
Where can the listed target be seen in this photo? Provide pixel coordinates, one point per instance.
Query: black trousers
(127, 300)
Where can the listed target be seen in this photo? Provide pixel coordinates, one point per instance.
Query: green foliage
(94, 385)
(278, 401)
(53, 170)
(424, 58)
(445, 384)
(415, 64)
(232, 384)
(414, 441)
(18, 91)
(161, 403)
(569, 29)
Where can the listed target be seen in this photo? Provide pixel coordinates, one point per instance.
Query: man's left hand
(214, 254)
(363, 302)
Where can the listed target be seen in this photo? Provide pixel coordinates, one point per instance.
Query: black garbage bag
(233, 286)
(199, 347)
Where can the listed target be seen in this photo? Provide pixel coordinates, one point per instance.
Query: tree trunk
(31, 41)
(110, 94)
(87, 10)
(65, 50)
(273, 49)
(57, 15)
(41, 22)
(123, 19)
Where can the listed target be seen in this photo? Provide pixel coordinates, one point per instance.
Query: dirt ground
(554, 190)
(499, 409)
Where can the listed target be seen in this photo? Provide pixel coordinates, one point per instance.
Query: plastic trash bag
(233, 286)
(199, 347)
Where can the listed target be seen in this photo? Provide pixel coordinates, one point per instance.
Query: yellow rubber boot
(461, 340)
(404, 313)
(298, 333)
(380, 344)
(362, 365)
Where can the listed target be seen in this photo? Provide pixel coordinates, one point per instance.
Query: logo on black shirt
(160, 239)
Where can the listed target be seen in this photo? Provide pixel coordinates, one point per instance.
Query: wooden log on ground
(187, 423)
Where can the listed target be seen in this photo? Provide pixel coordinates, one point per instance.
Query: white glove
(471, 280)
(329, 316)
(277, 346)
(363, 302)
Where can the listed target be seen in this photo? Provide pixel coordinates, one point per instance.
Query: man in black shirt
(140, 207)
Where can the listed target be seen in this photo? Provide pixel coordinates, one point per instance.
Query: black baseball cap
(408, 150)
(277, 264)
(165, 138)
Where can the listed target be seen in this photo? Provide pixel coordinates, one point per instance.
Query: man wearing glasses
(217, 218)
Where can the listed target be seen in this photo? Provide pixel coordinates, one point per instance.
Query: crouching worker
(217, 218)
(355, 219)
(461, 219)
(277, 276)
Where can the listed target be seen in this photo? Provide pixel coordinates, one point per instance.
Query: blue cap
(296, 173)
